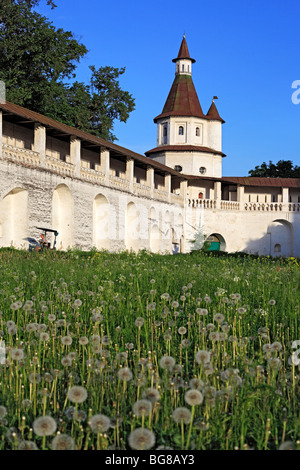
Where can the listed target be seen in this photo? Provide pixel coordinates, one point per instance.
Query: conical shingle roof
(182, 99)
(183, 51)
(213, 113)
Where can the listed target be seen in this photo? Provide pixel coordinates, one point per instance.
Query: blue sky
(247, 53)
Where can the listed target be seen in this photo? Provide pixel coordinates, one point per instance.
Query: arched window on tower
(197, 131)
(180, 130)
(183, 67)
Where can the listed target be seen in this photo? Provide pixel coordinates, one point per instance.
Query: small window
(181, 130)
(178, 168)
(197, 131)
(277, 248)
(183, 67)
(165, 131)
(202, 170)
(117, 173)
(200, 196)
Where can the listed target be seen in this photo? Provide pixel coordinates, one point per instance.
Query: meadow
(142, 351)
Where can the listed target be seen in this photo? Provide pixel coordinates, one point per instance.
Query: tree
(38, 65)
(282, 169)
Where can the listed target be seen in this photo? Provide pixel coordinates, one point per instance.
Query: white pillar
(285, 198)
(168, 185)
(150, 179)
(218, 193)
(105, 164)
(130, 172)
(240, 196)
(39, 142)
(183, 188)
(75, 154)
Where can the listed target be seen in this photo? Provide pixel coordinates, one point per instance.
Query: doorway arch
(216, 242)
(281, 238)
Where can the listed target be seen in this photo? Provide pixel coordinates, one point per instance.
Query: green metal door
(214, 246)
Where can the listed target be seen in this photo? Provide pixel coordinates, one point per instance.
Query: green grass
(249, 386)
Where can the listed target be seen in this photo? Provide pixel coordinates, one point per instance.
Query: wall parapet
(20, 155)
(247, 206)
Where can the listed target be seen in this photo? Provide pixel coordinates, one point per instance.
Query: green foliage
(282, 169)
(38, 65)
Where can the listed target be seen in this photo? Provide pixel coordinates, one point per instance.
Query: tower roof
(182, 99)
(183, 51)
(213, 113)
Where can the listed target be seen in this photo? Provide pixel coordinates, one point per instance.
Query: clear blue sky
(247, 53)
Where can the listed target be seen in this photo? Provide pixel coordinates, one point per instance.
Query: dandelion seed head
(63, 442)
(202, 357)
(3, 412)
(27, 445)
(44, 426)
(151, 394)
(141, 439)
(99, 423)
(193, 397)
(167, 362)
(182, 415)
(219, 317)
(139, 322)
(142, 407)
(66, 340)
(182, 330)
(17, 354)
(125, 374)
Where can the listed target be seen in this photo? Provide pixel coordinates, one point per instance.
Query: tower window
(181, 130)
(202, 170)
(178, 168)
(183, 67)
(165, 133)
(197, 131)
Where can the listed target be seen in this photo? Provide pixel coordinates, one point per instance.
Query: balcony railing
(202, 203)
(59, 166)
(20, 155)
(263, 206)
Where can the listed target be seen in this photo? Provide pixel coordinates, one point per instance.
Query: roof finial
(214, 98)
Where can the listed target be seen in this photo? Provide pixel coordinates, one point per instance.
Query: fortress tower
(187, 139)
